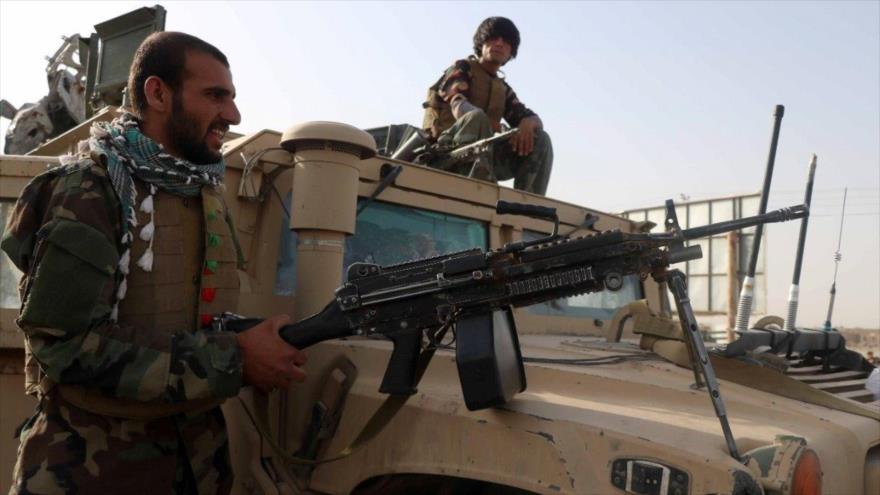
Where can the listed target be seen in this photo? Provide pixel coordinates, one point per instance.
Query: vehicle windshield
(387, 234)
(596, 305)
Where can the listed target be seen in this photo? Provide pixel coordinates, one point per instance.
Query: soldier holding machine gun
(125, 250)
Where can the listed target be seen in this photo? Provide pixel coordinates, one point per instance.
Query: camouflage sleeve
(62, 235)
(456, 80)
(514, 110)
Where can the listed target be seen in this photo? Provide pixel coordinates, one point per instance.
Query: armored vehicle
(609, 406)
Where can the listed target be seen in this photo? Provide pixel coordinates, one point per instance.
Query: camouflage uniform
(63, 234)
(494, 99)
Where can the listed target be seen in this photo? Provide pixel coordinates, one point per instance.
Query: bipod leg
(678, 286)
(688, 342)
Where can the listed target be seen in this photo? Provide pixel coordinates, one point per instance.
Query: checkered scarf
(130, 155)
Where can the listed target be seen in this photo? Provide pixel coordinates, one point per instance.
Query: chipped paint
(544, 434)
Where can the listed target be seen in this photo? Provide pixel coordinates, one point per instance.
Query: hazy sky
(643, 100)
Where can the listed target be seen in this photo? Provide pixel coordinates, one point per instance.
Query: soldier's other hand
(267, 360)
(523, 142)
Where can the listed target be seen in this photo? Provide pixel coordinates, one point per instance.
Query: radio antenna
(794, 290)
(744, 308)
(837, 257)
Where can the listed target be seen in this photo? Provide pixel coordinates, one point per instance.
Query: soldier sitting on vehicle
(468, 102)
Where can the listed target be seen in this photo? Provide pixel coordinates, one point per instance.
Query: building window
(707, 277)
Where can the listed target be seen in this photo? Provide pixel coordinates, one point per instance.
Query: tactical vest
(194, 276)
(486, 91)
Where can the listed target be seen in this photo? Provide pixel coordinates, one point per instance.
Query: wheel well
(435, 484)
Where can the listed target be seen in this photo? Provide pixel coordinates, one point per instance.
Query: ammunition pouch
(69, 250)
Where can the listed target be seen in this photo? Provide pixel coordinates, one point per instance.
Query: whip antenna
(744, 309)
(837, 258)
(794, 290)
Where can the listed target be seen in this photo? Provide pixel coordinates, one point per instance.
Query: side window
(595, 305)
(387, 234)
(9, 274)
(285, 270)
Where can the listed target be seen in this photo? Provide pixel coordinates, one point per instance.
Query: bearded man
(469, 100)
(128, 250)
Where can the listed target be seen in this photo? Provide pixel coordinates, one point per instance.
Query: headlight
(807, 479)
(787, 467)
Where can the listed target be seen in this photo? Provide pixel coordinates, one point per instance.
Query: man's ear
(158, 94)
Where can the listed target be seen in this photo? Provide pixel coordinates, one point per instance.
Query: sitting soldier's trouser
(529, 173)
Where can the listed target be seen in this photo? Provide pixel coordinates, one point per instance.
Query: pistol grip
(400, 375)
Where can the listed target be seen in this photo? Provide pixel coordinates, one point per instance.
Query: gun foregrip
(508, 208)
(400, 376)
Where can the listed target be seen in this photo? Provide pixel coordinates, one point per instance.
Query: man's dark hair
(494, 27)
(163, 55)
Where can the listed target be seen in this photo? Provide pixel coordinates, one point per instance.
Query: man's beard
(187, 138)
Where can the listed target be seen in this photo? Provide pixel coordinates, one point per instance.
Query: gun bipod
(698, 355)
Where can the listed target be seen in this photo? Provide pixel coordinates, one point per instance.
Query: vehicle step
(804, 370)
(827, 377)
(842, 384)
(855, 394)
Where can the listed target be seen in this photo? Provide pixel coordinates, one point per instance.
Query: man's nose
(231, 114)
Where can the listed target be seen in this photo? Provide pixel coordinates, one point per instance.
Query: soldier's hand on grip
(267, 360)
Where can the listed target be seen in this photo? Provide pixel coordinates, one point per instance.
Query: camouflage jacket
(457, 79)
(72, 211)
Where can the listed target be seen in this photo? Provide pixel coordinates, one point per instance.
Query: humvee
(604, 411)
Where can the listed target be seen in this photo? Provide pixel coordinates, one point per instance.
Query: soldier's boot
(482, 169)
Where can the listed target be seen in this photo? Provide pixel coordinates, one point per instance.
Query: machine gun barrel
(476, 146)
(775, 216)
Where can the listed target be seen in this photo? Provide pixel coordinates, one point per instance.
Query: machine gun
(415, 303)
(472, 160)
(480, 154)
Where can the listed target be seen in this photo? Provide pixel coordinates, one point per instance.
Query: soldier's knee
(542, 139)
(475, 117)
